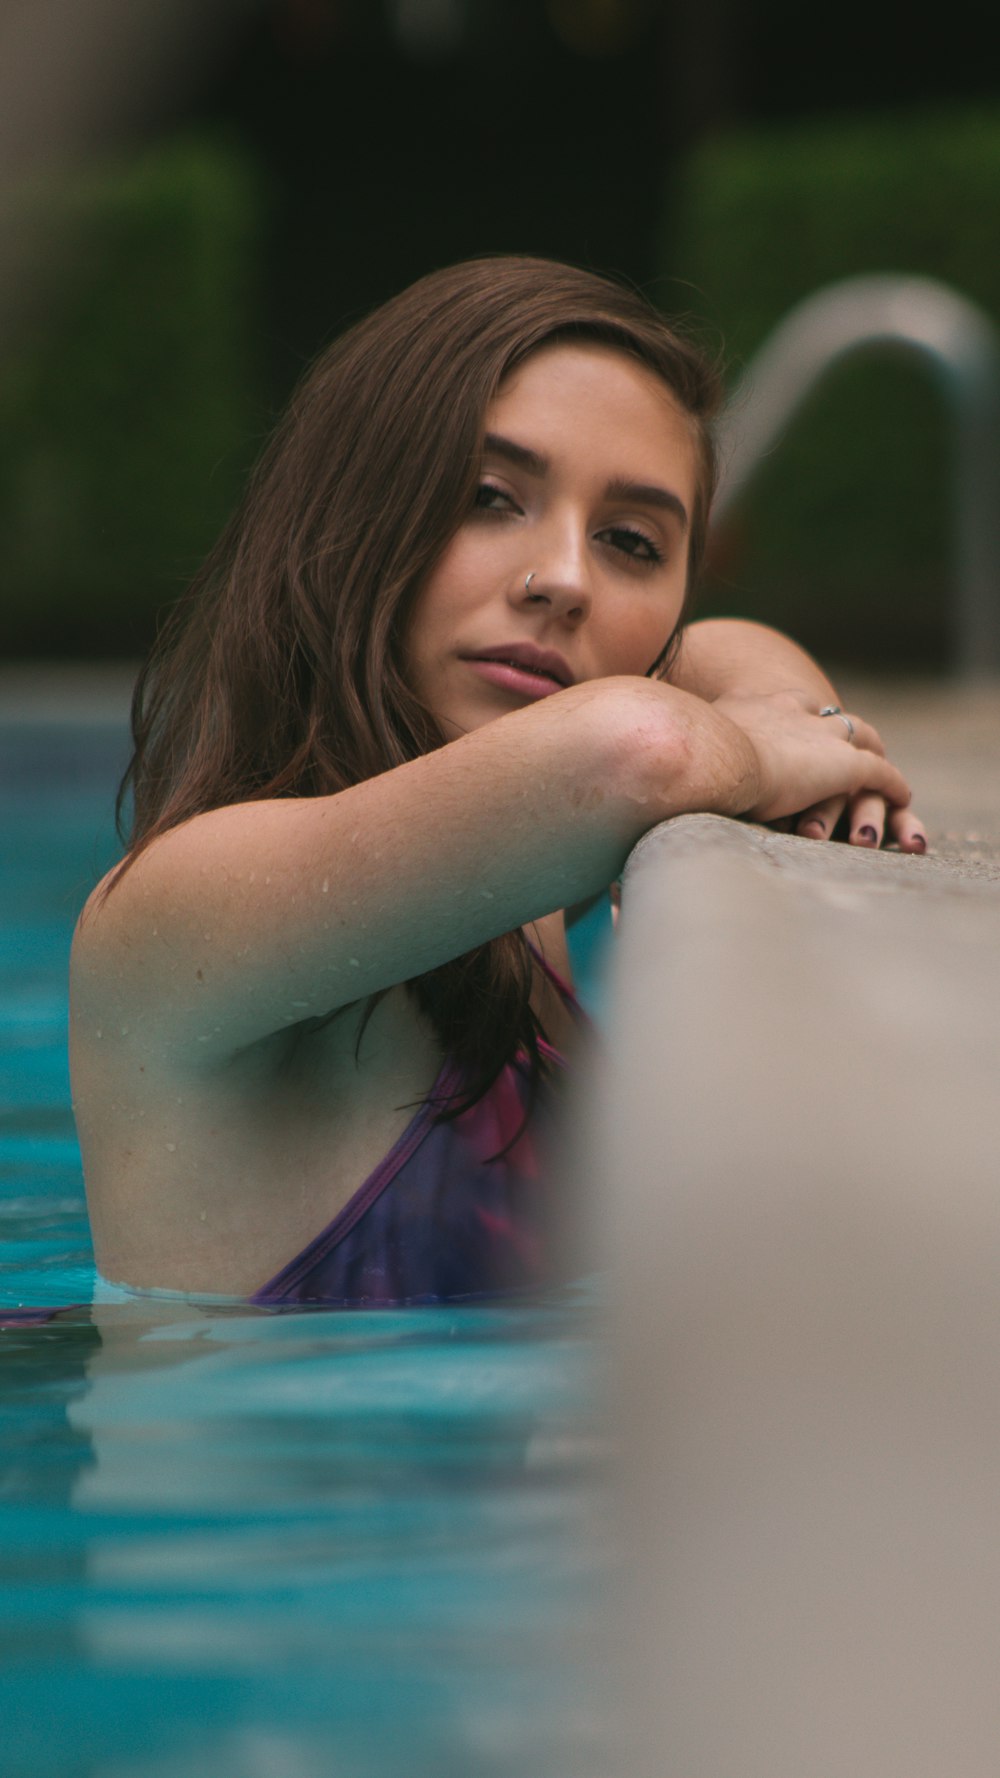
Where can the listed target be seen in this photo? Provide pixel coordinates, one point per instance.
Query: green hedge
(127, 393)
(844, 537)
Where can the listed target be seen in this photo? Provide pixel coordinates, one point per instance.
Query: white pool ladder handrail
(962, 349)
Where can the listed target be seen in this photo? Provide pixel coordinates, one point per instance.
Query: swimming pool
(254, 1546)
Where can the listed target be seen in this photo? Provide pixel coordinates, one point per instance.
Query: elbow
(668, 753)
(649, 749)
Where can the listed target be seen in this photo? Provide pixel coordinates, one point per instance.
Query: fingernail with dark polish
(918, 843)
(869, 836)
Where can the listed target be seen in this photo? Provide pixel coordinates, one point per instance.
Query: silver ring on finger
(835, 710)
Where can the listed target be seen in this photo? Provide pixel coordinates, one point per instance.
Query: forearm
(286, 908)
(723, 655)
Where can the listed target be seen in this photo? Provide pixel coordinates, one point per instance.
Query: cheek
(433, 605)
(638, 638)
(449, 590)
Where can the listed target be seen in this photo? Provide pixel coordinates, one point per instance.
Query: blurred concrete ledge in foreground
(794, 1168)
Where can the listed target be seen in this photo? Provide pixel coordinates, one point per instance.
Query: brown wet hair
(281, 672)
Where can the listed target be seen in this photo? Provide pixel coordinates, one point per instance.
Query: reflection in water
(328, 1542)
(42, 1456)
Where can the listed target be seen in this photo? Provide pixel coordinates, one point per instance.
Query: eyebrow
(534, 463)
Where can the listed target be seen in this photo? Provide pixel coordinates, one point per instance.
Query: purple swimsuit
(439, 1220)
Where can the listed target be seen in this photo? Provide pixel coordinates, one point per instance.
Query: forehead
(581, 396)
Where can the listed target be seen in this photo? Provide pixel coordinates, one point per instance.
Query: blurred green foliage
(130, 382)
(844, 536)
(127, 392)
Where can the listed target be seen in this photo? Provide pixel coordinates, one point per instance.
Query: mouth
(524, 660)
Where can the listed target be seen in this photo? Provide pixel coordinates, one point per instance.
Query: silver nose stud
(528, 580)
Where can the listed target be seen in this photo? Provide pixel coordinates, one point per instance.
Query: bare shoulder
(114, 964)
(99, 943)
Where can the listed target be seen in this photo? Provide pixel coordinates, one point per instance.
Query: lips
(524, 657)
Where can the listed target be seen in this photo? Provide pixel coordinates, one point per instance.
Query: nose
(558, 577)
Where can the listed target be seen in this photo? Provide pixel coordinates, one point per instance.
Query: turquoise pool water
(249, 1546)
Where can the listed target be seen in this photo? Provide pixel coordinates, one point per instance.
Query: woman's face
(587, 484)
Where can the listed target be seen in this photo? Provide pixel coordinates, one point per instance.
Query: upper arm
(726, 654)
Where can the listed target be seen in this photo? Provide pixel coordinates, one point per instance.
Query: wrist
(742, 782)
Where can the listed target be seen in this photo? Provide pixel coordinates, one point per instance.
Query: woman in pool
(429, 689)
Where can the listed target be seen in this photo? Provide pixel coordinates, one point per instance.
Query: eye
(635, 544)
(490, 498)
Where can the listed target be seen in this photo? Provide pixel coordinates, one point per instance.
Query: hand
(797, 747)
(870, 818)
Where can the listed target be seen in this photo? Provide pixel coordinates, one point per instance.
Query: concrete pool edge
(793, 1156)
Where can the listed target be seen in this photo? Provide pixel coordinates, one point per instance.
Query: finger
(879, 777)
(907, 830)
(845, 726)
(818, 822)
(867, 820)
(867, 736)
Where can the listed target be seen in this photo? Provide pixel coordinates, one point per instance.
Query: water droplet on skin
(326, 885)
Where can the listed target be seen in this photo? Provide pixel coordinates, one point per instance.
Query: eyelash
(653, 556)
(490, 488)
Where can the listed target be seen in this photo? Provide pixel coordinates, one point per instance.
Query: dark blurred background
(196, 196)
